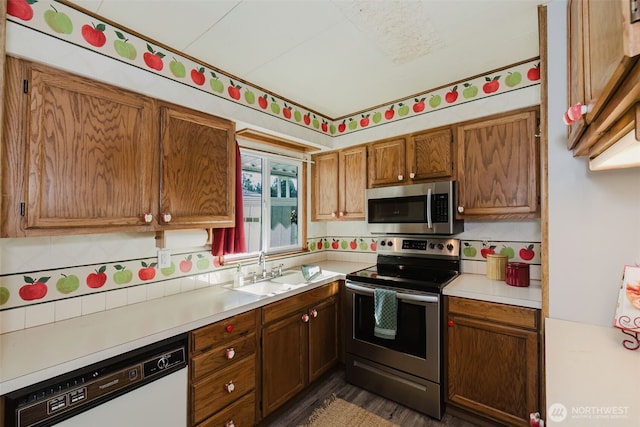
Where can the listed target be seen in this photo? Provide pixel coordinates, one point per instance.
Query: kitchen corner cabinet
(339, 181)
(81, 156)
(411, 158)
(492, 360)
(299, 343)
(222, 372)
(498, 166)
(602, 49)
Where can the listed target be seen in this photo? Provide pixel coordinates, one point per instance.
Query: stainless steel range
(408, 367)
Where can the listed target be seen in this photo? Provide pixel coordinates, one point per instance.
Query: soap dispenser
(238, 280)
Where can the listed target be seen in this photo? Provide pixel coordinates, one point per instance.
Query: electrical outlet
(164, 258)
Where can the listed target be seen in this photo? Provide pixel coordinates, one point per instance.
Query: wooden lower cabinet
(492, 360)
(222, 372)
(299, 343)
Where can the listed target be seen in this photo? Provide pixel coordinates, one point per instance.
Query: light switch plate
(164, 258)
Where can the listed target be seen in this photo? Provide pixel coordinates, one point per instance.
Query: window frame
(301, 247)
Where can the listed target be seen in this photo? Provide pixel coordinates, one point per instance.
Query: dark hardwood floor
(297, 413)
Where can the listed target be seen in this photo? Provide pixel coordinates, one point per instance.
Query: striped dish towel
(385, 306)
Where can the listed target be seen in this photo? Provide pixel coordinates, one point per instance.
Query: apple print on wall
(148, 271)
(94, 34)
(5, 294)
(21, 9)
(122, 275)
(58, 21)
(98, 278)
(153, 59)
(123, 48)
(33, 289)
(492, 84)
(67, 284)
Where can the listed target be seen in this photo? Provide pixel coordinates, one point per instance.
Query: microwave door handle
(400, 296)
(429, 223)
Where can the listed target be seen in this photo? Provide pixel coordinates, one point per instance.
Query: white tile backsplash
(68, 308)
(94, 303)
(136, 294)
(116, 298)
(155, 290)
(12, 320)
(173, 286)
(39, 314)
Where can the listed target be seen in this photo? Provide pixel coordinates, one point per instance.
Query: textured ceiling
(338, 57)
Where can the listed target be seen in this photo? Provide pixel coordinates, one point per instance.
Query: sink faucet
(262, 261)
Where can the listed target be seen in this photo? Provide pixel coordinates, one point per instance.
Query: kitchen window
(272, 214)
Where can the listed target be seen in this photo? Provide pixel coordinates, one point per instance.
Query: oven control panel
(418, 246)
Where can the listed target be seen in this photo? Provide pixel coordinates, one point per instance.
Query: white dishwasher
(145, 387)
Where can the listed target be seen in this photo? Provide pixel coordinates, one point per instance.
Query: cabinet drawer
(286, 306)
(503, 313)
(223, 331)
(216, 359)
(241, 413)
(210, 395)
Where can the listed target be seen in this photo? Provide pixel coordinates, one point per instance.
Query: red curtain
(231, 240)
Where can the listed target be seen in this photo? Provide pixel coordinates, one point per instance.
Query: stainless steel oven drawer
(413, 392)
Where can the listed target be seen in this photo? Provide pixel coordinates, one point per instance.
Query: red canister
(517, 274)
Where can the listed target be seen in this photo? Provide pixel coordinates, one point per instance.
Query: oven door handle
(399, 295)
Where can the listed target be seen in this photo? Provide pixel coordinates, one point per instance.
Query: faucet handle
(280, 269)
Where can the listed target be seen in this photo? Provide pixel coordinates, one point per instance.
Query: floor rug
(336, 412)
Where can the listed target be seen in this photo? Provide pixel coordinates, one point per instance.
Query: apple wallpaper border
(27, 288)
(85, 30)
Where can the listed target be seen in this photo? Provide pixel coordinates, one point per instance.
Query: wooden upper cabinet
(602, 47)
(198, 168)
(352, 182)
(81, 156)
(324, 194)
(429, 155)
(387, 162)
(89, 157)
(339, 182)
(498, 166)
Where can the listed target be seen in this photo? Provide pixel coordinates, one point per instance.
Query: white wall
(594, 217)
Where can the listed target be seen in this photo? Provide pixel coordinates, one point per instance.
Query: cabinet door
(324, 196)
(352, 182)
(498, 165)
(575, 58)
(429, 155)
(90, 153)
(601, 49)
(284, 361)
(492, 369)
(386, 162)
(197, 168)
(323, 337)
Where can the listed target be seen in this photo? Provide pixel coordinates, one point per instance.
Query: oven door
(416, 348)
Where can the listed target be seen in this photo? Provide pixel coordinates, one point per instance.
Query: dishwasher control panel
(57, 400)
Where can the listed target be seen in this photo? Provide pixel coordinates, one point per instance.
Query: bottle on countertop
(238, 280)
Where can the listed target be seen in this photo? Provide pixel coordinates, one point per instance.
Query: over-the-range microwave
(413, 209)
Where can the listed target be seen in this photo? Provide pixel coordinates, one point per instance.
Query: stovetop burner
(419, 264)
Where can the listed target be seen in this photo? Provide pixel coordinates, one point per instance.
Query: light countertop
(591, 379)
(479, 287)
(43, 352)
(36, 354)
